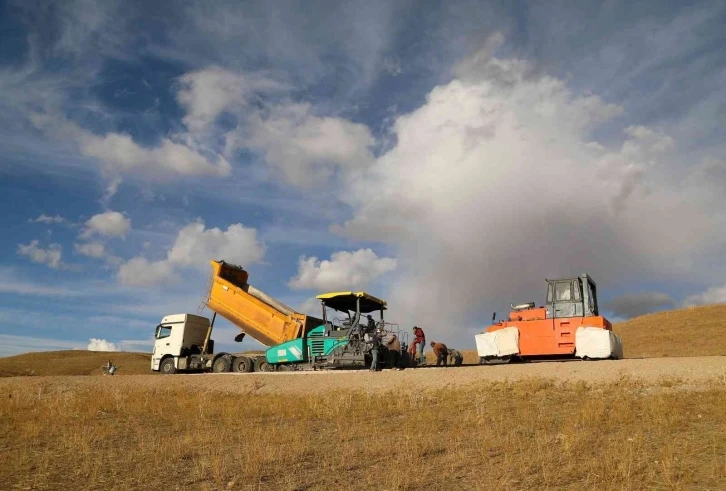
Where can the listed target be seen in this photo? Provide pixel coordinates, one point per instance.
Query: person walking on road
(441, 352)
(419, 342)
(455, 357)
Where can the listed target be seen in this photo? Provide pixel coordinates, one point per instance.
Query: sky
(446, 156)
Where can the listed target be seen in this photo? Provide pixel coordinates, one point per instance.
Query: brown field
(696, 331)
(74, 362)
(657, 423)
(534, 433)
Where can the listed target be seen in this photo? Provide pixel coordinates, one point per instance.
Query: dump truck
(183, 341)
(569, 325)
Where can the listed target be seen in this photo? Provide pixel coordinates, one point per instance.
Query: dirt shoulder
(678, 370)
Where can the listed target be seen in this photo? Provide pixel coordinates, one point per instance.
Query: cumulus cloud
(48, 220)
(194, 246)
(107, 224)
(713, 295)
(101, 345)
(119, 154)
(122, 154)
(635, 304)
(303, 148)
(496, 183)
(91, 249)
(139, 271)
(50, 256)
(344, 271)
(207, 93)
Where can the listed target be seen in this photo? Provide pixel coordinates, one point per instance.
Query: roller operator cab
(343, 339)
(568, 325)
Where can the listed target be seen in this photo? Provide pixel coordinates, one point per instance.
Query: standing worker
(375, 348)
(419, 342)
(441, 352)
(455, 357)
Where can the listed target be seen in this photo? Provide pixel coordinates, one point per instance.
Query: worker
(394, 351)
(419, 343)
(441, 352)
(371, 323)
(455, 357)
(375, 348)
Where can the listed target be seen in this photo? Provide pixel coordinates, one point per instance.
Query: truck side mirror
(494, 316)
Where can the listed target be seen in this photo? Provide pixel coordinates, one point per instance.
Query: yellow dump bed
(267, 320)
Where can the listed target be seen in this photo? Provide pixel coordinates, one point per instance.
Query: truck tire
(261, 365)
(167, 366)
(222, 364)
(243, 364)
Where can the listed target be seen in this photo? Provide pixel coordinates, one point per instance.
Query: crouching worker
(394, 351)
(441, 352)
(455, 357)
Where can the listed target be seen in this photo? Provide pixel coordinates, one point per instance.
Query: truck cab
(179, 343)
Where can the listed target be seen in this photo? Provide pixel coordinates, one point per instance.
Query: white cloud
(120, 154)
(138, 271)
(495, 184)
(311, 306)
(344, 271)
(195, 246)
(205, 94)
(107, 224)
(50, 256)
(91, 249)
(48, 220)
(303, 148)
(101, 345)
(716, 294)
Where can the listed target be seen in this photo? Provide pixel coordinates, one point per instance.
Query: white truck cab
(180, 343)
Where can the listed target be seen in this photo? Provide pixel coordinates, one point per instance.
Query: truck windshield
(163, 332)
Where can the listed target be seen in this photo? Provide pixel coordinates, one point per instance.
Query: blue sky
(446, 156)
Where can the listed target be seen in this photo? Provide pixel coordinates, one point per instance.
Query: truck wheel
(221, 364)
(261, 365)
(242, 364)
(167, 366)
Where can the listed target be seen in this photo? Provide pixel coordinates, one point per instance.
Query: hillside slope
(76, 362)
(695, 331)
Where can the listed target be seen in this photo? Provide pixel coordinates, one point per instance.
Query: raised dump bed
(260, 316)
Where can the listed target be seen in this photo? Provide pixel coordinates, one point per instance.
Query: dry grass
(697, 331)
(533, 434)
(75, 362)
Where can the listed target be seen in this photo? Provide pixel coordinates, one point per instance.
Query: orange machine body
(550, 330)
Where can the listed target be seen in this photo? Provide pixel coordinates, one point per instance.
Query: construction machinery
(569, 325)
(343, 343)
(183, 341)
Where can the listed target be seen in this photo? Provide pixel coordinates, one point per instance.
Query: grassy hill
(76, 362)
(695, 331)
